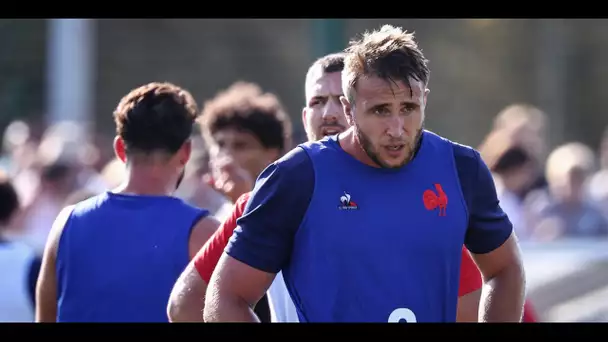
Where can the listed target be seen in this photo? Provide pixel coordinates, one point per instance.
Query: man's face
(323, 113)
(244, 148)
(388, 118)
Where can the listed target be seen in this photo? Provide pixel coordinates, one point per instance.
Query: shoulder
(466, 156)
(198, 212)
(296, 158)
(58, 227)
(467, 160)
(84, 207)
(63, 217)
(295, 167)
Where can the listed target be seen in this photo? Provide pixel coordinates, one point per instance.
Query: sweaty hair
(9, 201)
(333, 62)
(389, 53)
(244, 107)
(156, 117)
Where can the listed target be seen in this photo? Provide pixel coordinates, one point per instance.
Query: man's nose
(396, 127)
(332, 110)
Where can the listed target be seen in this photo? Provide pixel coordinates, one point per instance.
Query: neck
(351, 145)
(147, 180)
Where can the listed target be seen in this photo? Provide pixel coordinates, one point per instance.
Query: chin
(395, 163)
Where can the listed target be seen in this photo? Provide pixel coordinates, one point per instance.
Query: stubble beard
(369, 149)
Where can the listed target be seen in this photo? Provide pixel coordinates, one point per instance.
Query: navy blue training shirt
(364, 244)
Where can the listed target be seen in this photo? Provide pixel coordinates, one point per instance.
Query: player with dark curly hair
(246, 129)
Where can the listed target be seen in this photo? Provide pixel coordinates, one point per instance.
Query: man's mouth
(394, 150)
(395, 147)
(331, 130)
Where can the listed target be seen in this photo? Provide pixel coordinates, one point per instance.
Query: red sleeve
(529, 313)
(470, 277)
(207, 257)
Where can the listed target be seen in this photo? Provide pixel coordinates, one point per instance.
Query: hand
(230, 178)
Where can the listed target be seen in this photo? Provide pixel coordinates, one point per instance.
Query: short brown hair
(244, 107)
(333, 62)
(389, 53)
(155, 117)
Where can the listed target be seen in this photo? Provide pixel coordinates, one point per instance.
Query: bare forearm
(46, 304)
(468, 307)
(46, 314)
(186, 310)
(229, 310)
(502, 298)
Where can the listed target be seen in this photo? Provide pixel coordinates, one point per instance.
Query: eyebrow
(325, 95)
(402, 103)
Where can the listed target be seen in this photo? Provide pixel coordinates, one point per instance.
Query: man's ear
(304, 113)
(347, 107)
(120, 149)
(185, 152)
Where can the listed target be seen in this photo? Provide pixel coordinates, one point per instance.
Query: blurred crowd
(548, 195)
(562, 195)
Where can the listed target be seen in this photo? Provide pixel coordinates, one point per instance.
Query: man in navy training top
(368, 225)
(116, 256)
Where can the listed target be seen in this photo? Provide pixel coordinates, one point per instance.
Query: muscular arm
(183, 300)
(46, 287)
(470, 293)
(262, 242)
(187, 298)
(492, 244)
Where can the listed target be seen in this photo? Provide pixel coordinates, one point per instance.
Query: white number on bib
(402, 314)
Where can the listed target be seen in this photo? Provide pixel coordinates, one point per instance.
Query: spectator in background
(570, 213)
(14, 140)
(18, 263)
(19, 148)
(514, 170)
(526, 127)
(70, 143)
(598, 184)
(56, 182)
(63, 163)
